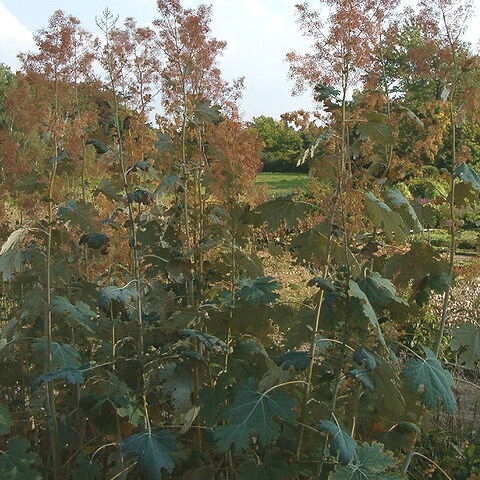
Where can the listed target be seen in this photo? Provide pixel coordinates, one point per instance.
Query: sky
(259, 33)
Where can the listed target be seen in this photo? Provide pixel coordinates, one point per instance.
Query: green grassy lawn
(467, 240)
(282, 183)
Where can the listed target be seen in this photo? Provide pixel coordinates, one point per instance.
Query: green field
(283, 183)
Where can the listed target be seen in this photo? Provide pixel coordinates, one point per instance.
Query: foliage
(160, 319)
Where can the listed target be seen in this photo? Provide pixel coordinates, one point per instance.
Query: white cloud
(14, 38)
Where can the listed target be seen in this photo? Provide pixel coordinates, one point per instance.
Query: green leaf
(379, 291)
(5, 420)
(143, 197)
(296, 358)
(77, 213)
(261, 291)
(412, 116)
(467, 174)
(116, 297)
(142, 165)
(279, 211)
(385, 218)
(359, 303)
(17, 463)
(63, 355)
(399, 204)
(342, 445)
(363, 357)
(206, 113)
(210, 342)
(422, 264)
(78, 314)
(323, 92)
(100, 148)
(11, 258)
(377, 128)
(87, 469)
(179, 383)
(95, 241)
(30, 183)
(322, 284)
(466, 337)
(253, 414)
(364, 377)
(401, 437)
(370, 463)
(33, 303)
(428, 377)
(11, 262)
(164, 143)
(152, 451)
(71, 375)
(111, 190)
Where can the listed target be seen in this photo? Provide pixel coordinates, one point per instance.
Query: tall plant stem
(53, 423)
(453, 240)
(343, 160)
(107, 26)
(312, 353)
(453, 227)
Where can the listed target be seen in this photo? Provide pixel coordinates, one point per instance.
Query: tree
(284, 145)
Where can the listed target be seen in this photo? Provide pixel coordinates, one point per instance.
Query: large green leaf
(253, 414)
(323, 92)
(401, 437)
(300, 359)
(422, 264)
(466, 338)
(385, 218)
(379, 291)
(71, 375)
(11, 258)
(77, 213)
(342, 445)
(370, 463)
(377, 128)
(78, 314)
(5, 420)
(261, 291)
(116, 297)
(468, 174)
(210, 342)
(95, 241)
(17, 463)
(87, 469)
(279, 211)
(205, 113)
(314, 245)
(179, 383)
(399, 204)
(63, 355)
(360, 306)
(428, 377)
(152, 451)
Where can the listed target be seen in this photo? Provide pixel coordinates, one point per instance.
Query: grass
(467, 240)
(282, 183)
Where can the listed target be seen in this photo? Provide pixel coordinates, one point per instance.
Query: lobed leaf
(466, 338)
(253, 414)
(434, 383)
(18, 463)
(342, 445)
(153, 451)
